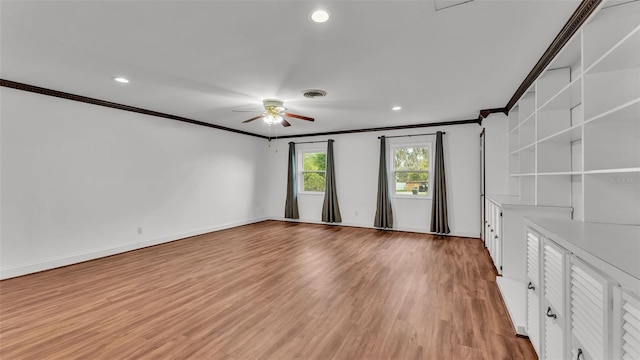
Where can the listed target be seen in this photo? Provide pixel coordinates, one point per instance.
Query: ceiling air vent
(314, 93)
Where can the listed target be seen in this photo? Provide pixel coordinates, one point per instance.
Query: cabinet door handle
(580, 356)
(549, 314)
(530, 286)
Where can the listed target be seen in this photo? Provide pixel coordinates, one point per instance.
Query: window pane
(411, 158)
(314, 161)
(412, 183)
(313, 182)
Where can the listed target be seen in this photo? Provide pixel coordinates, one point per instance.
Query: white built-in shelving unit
(574, 136)
(573, 155)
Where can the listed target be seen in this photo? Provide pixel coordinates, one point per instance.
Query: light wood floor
(271, 290)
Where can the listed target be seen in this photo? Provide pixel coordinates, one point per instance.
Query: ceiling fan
(275, 113)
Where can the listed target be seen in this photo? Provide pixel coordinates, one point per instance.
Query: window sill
(311, 193)
(411, 197)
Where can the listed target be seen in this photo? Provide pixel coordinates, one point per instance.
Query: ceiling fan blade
(285, 123)
(299, 116)
(253, 118)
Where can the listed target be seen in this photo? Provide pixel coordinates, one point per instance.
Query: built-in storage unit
(504, 231)
(574, 153)
(582, 297)
(574, 137)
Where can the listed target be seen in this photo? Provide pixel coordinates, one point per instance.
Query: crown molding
(582, 13)
(93, 101)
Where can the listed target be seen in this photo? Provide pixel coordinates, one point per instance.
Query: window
(411, 165)
(313, 165)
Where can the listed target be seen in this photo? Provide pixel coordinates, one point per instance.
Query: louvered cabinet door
(590, 307)
(533, 289)
(554, 290)
(492, 224)
(627, 325)
(487, 216)
(497, 258)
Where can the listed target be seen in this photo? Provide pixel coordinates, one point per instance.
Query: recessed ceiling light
(396, 108)
(320, 16)
(121, 80)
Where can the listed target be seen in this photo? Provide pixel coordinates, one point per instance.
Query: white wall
(497, 154)
(356, 160)
(77, 180)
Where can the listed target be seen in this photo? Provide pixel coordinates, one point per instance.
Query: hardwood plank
(271, 290)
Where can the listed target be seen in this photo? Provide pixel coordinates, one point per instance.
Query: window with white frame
(411, 169)
(312, 165)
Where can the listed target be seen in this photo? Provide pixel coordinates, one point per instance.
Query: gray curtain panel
(384, 214)
(439, 218)
(291, 205)
(330, 208)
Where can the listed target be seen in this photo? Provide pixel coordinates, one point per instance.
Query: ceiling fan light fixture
(271, 119)
(320, 16)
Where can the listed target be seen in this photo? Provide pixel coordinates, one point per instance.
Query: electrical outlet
(139, 231)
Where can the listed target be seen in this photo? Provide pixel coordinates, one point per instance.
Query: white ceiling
(201, 59)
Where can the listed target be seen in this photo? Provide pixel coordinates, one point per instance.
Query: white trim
(49, 264)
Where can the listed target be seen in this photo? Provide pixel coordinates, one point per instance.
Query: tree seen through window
(411, 168)
(313, 171)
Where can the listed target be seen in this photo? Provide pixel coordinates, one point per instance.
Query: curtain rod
(389, 137)
(310, 142)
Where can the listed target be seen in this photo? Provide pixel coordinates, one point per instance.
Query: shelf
(613, 171)
(627, 112)
(572, 173)
(624, 55)
(524, 148)
(567, 98)
(574, 138)
(569, 135)
(503, 200)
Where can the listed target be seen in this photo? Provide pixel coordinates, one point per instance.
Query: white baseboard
(514, 294)
(367, 226)
(49, 264)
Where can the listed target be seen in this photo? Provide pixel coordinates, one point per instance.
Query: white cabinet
(510, 252)
(626, 325)
(553, 274)
(589, 276)
(533, 289)
(590, 309)
(493, 232)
